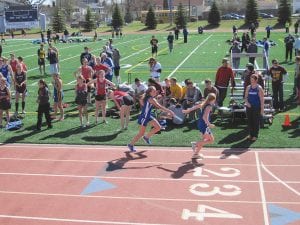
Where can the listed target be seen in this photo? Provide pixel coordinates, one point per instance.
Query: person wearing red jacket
(223, 76)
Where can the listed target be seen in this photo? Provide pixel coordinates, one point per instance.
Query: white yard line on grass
(186, 58)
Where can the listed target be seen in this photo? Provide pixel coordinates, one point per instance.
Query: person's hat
(137, 80)
(249, 64)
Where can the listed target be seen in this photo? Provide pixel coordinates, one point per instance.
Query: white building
(296, 6)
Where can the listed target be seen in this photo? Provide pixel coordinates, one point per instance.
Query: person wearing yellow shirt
(176, 89)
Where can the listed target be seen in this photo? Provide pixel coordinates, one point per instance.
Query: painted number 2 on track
(203, 189)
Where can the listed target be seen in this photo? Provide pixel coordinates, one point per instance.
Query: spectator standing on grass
(176, 32)
(2, 39)
(235, 60)
(223, 76)
(116, 56)
(287, 27)
(146, 118)
(20, 87)
(170, 39)
(252, 48)
(5, 98)
(41, 59)
(21, 61)
(185, 34)
(58, 96)
(49, 33)
(277, 72)
(81, 100)
(204, 125)
(1, 50)
(296, 92)
(86, 54)
(155, 69)
(252, 29)
(154, 46)
(296, 25)
(42, 37)
(289, 44)
(245, 41)
(6, 71)
(101, 83)
(105, 60)
(254, 100)
(52, 56)
(43, 105)
(268, 29)
(87, 72)
(13, 63)
(297, 45)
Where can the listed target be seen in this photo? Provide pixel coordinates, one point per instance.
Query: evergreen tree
(117, 20)
(166, 4)
(89, 20)
(251, 12)
(58, 22)
(180, 19)
(128, 16)
(214, 15)
(284, 11)
(151, 22)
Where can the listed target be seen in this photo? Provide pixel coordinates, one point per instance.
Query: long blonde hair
(210, 97)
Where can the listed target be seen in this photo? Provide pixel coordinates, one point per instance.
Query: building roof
(176, 2)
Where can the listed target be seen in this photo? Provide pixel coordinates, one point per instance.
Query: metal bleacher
(236, 96)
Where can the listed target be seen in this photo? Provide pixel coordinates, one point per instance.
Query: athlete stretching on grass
(146, 117)
(203, 124)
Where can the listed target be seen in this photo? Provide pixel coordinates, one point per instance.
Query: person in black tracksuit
(44, 105)
(289, 44)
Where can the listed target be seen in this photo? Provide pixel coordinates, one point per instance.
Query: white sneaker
(193, 145)
(23, 112)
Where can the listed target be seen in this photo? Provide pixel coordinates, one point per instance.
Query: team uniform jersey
(4, 103)
(13, 65)
(253, 97)
(146, 115)
(81, 95)
(41, 56)
(101, 90)
(123, 98)
(5, 72)
(202, 126)
(58, 95)
(20, 78)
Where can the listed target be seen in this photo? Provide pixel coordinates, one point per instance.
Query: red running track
(58, 184)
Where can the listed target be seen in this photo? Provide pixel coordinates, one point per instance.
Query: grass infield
(198, 60)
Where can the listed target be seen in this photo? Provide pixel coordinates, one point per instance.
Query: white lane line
(186, 58)
(132, 162)
(138, 198)
(42, 147)
(136, 178)
(262, 190)
(279, 180)
(77, 56)
(75, 220)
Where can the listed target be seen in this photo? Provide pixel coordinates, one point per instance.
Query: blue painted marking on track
(282, 216)
(97, 185)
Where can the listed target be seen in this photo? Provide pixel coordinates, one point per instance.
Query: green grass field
(197, 60)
